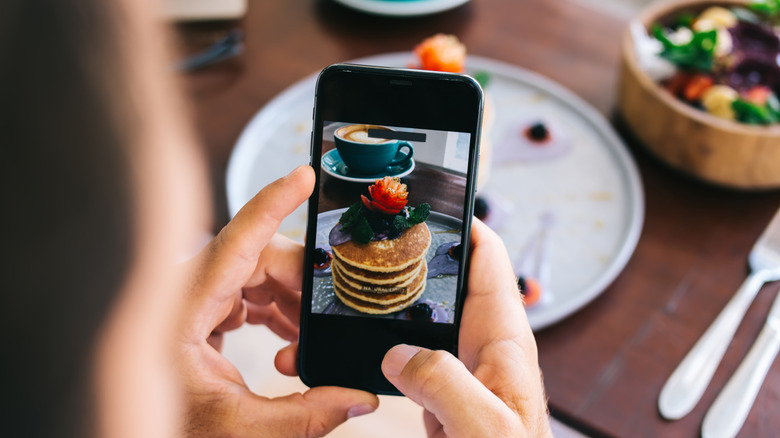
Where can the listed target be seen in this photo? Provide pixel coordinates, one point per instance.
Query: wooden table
(605, 365)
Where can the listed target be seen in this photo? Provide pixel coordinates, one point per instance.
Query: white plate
(402, 8)
(593, 190)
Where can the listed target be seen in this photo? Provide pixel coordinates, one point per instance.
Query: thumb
(441, 384)
(319, 410)
(231, 259)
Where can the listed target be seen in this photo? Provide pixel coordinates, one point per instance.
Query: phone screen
(388, 222)
(389, 243)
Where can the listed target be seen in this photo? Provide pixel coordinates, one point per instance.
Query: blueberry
(421, 312)
(481, 208)
(321, 257)
(455, 251)
(538, 132)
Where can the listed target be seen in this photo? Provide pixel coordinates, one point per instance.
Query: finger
(272, 291)
(315, 412)
(432, 426)
(286, 360)
(237, 316)
(216, 339)
(500, 351)
(282, 260)
(231, 259)
(271, 317)
(492, 290)
(441, 384)
(238, 246)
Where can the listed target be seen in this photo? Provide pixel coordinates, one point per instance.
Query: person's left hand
(249, 274)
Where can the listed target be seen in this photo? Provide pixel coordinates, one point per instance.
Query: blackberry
(455, 251)
(321, 258)
(421, 312)
(538, 132)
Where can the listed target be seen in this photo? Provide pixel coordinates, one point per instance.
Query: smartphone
(395, 153)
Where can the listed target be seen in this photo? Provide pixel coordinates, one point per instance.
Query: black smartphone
(395, 153)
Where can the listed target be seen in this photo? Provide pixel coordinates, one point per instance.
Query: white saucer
(402, 8)
(333, 165)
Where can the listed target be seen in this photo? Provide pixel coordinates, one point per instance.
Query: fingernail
(397, 358)
(356, 411)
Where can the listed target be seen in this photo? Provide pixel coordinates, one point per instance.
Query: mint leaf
(483, 78)
(362, 232)
(400, 223)
(696, 55)
(350, 217)
(419, 214)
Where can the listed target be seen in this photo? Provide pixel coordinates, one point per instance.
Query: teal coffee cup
(369, 155)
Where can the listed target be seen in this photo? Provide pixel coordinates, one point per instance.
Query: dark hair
(66, 206)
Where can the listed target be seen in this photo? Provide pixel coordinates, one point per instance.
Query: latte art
(359, 134)
(362, 137)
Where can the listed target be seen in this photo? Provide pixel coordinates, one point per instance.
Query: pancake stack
(382, 276)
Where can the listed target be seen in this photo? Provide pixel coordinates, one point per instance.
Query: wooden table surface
(605, 365)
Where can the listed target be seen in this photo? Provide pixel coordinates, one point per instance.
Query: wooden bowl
(716, 150)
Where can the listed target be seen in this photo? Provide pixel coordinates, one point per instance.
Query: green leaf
(766, 7)
(350, 217)
(773, 104)
(419, 214)
(685, 19)
(400, 223)
(752, 114)
(362, 232)
(696, 55)
(483, 78)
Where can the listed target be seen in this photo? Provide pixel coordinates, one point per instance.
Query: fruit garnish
(530, 289)
(388, 196)
(321, 259)
(455, 251)
(384, 215)
(441, 53)
(538, 132)
(421, 312)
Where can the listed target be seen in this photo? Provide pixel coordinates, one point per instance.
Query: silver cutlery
(229, 46)
(687, 383)
(729, 411)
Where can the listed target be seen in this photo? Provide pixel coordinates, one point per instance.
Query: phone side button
(311, 148)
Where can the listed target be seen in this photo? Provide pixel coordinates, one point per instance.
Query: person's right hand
(496, 390)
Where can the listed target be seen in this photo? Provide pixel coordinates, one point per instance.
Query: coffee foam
(361, 136)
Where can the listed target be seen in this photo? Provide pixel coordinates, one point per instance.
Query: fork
(687, 383)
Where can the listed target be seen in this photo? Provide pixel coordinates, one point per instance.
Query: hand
(249, 274)
(496, 388)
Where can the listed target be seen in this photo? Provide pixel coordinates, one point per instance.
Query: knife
(729, 411)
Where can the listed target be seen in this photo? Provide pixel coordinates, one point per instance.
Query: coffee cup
(369, 155)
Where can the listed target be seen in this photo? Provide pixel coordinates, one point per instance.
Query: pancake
(379, 278)
(389, 255)
(379, 309)
(379, 294)
(378, 288)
